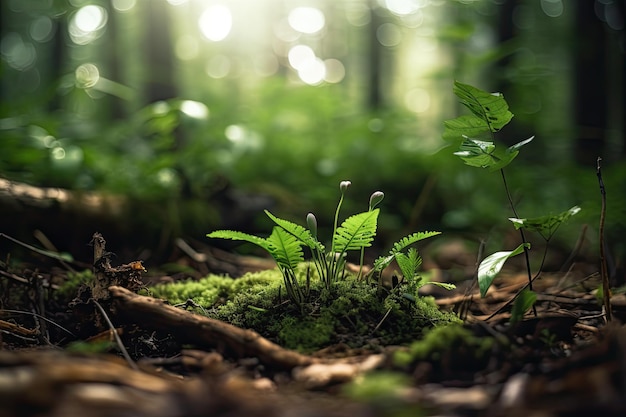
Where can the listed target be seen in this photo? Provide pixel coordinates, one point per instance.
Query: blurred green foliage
(270, 135)
(295, 151)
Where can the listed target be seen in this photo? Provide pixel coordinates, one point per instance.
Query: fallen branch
(203, 331)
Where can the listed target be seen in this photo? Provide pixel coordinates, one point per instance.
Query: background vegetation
(272, 103)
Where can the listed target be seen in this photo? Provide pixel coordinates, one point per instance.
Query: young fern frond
(409, 263)
(383, 262)
(356, 232)
(235, 235)
(411, 239)
(285, 248)
(301, 233)
(287, 241)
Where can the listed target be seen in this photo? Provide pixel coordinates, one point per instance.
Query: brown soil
(154, 359)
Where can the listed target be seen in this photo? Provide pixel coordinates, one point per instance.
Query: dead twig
(4, 310)
(131, 363)
(204, 331)
(606, 288)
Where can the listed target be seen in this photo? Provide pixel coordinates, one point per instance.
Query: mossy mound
(354, 312)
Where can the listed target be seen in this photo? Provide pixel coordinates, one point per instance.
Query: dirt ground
(107, 351)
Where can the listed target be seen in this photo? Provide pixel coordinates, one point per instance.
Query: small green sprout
(287, 240)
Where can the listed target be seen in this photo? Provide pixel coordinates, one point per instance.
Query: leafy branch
(474, 135)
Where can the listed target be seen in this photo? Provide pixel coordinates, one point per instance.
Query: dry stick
(116, 335)
(606, 289)
(59, 257)
(381, 321)
(204, 331)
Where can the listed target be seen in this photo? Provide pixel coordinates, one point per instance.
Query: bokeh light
(552, 8)
(87, 24)
(358, 14)
(123, 5)
(300, 56)
(389, 34)
(307, 20)
(313, 72)
(335, 71)
(87, 76)
(216, 22)
(41, 29)
(218, 66)
(404, 7)
(18, 53)
(194, 109)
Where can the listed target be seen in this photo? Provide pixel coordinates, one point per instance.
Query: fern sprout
(375, 199)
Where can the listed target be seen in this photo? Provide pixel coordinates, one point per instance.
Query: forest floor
(107, 351)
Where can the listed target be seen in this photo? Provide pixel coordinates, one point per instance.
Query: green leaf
(384, 261)
(489, 107)
(285, 248)
(466, 125)
(484, 154)
(444, 285)
(235, 235)
(509, 155)
(356, 232)
(491, 266)
(518, 145)
(411, 239)
(477, 153)
(545, 225)
(409, 263)
(301, 233)
(524, 301)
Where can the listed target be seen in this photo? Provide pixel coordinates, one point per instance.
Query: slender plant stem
(116, 335)
(606, 289)
(522, 235)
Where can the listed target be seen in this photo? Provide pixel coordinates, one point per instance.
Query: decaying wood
(24, 195)
(105, 276)
(203, 331)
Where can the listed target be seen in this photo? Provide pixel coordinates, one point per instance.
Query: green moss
(354, 312)
(453, 341)
(377, 386)
(304, 333)
(74, 280)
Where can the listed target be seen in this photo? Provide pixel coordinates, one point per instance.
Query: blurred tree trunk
(112, 61)
(58, 58)
(374, 97)
(599, 81)
(160, 83)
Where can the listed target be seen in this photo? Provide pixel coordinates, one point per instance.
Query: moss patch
(356, 313)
